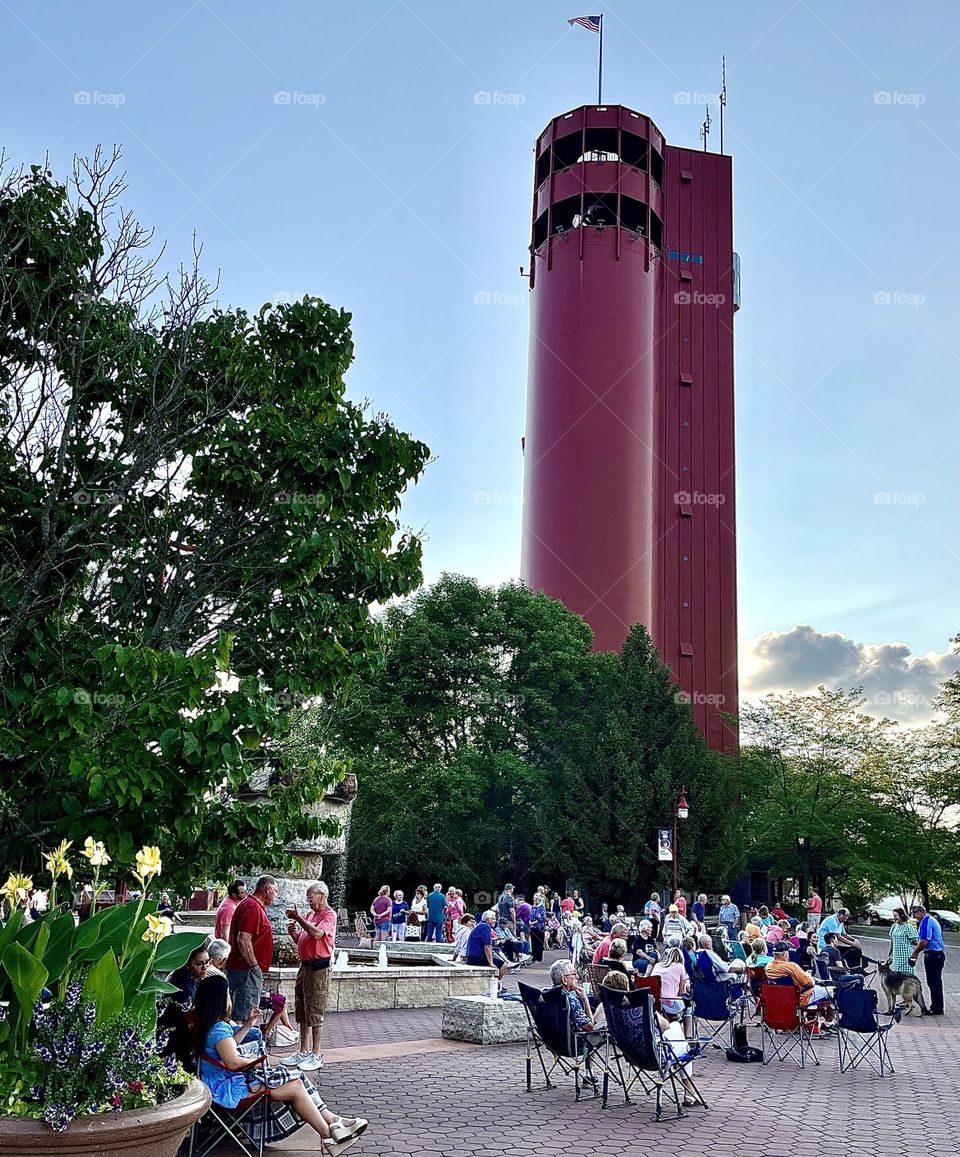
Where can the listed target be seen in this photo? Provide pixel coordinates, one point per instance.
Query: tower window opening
(656, 228)
(601, 145)
(656, 167)
(633, 151)
(543, 167)
(566, 151)
(566, 213)
(633, 215)
(540, 230)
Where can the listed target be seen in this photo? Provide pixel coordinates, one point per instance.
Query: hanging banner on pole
(664, 844)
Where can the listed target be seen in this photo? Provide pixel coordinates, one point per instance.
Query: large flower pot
(153, 1132)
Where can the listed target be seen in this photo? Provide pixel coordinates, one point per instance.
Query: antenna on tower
(705, 129)
(723, 98)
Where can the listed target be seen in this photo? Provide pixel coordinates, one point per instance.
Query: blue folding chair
(715, 1007)
(550, 1029)
(861, 1037)
(636, 1044)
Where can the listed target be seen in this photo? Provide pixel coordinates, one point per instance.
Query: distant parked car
(876, 915)
(947, 918)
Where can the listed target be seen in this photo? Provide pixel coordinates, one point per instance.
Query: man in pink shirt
(814, 909)
(235, 893)
(617, 932)
(315, 933)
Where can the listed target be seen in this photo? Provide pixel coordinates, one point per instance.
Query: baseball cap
(674, 908)
(783, 945)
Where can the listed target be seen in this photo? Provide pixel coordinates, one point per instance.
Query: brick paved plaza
(426, 1095)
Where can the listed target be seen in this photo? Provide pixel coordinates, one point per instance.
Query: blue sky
(379, 155)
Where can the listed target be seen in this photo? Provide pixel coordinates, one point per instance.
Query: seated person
(218, 951)
(712, 965)
(216, 1037)
(803, 983)
(602, 950)
(674, 983)
(173, 1015)
(670, 1030)
(513, 946)
(645, 952)
(564, 976)
(829, 953)
(480, 952)
(616, 957)
(462, 935)
(759, 958)
(754, 929)
(721, 942)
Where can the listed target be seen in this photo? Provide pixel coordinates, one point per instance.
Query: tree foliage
(831, 792)
(494, 744)
(194, 520)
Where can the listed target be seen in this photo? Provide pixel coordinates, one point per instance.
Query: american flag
(592, 23)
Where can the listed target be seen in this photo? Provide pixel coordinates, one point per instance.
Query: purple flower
(44, 1053)
(58, 1117)
(74, 992)
(89, 1014)
(3, 1014)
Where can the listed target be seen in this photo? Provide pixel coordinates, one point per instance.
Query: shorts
(310, 995)
(245, 986)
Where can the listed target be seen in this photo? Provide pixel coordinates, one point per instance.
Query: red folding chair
(784, 1023)
(651, 984)
(219, 1124)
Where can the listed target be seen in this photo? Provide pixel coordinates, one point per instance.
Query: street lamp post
(680, 812)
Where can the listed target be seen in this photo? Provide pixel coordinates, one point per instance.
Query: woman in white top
(418, 910)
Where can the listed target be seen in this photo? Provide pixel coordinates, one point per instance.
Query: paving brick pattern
(445, 1099)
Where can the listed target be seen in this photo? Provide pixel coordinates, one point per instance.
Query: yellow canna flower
(57, 862)
(95, 851)
(16, 889)
(148, 863)
(158, 928)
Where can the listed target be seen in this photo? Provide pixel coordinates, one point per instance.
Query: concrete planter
(152, 1132)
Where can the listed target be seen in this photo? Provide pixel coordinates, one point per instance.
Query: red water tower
(629, 511)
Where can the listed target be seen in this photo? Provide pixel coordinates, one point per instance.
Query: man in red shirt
(617, 932)
(814, 909)
(235, 893)
(315, 933)
(251, 947)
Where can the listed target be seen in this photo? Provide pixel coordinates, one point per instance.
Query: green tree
(493, 744)
(812, 784)
(194, 522)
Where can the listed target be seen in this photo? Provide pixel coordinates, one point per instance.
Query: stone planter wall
(154, 1132)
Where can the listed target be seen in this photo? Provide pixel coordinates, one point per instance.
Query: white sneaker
(309, 1062)
(295, 1061)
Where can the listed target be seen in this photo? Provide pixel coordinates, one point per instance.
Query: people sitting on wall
(467, 924)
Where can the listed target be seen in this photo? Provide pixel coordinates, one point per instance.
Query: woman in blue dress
(219, 1040)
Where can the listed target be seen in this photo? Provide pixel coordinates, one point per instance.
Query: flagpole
(600, 65)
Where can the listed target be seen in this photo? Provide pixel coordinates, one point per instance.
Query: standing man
(235, 893)
(507, 908)
(931, 945)
(814, 909)
(729, 917)
(436, 906)
(251, 947)
(315, 935)
(698, 910)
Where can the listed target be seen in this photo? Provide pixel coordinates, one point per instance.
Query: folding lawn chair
(715, 1009)
(651, 984)
(550, 1030)
(245, 1125)
(783, 1024)
(640, 1052)
(861, 1038)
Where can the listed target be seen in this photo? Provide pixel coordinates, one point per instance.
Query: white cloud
(897, 683)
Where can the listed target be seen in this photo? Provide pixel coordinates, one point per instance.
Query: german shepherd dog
(901, 984)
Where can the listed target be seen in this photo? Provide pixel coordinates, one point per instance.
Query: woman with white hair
(218, 951)
(645, 953)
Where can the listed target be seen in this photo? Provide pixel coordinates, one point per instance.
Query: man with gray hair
(315, 935)
(251, 947)
(480, 952)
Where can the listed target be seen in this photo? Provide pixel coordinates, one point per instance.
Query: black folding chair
(550, 1029)
(641, 1053)
(861, 1038)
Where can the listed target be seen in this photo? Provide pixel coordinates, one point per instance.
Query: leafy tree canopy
(194, 522)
